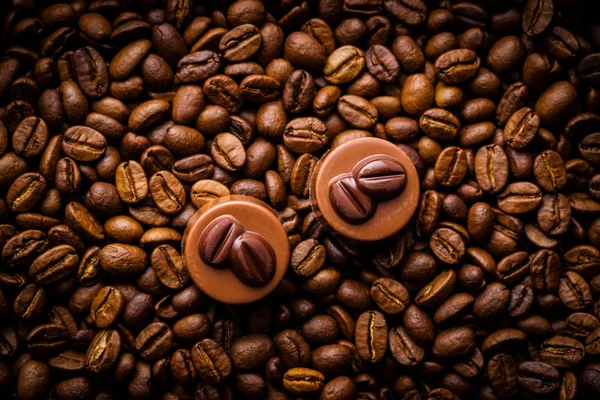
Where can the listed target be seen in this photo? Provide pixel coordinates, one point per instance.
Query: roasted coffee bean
(382, 63)
(344, 64)
(123, 259)
(454, 343)
(371, 336)
(167, 192)
(554, 214)
(33, 380)
(561, 351)
(228, 152)
(25, 192)
(307, 258)
(545, 269)
(259, 88)
(83, 144)
(521, 128)
(574, 292)
(436, 291)
(457, 66)
(103, 351)
(294, 350)
(211, 361)
(131, 181)
(448, 245)
(439, 124)
(30, 137)
(390, 295)
(537, 15)
(451, 166)
(154, 341)
(491, 168)
(54, 265)
(305, 135)
(549, 171)
(303, 381)
(106, 306)
(519, 198)
(538, 377)
(90, 72)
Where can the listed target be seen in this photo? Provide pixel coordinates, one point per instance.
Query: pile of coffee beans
(120, 118)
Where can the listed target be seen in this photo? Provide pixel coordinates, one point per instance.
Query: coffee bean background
(119, 118)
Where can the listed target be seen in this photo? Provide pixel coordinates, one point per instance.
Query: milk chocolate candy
(365, 190)
(236, 249)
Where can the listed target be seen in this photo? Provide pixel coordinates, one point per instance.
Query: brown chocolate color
(256, 218)
(390, 216)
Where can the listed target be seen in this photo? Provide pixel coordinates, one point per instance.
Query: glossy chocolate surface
(366, 189)
(236, 249)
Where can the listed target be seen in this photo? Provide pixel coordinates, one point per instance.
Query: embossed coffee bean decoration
(374, 179)
(225, 242)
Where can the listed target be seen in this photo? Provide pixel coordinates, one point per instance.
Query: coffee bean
(294, 350)
(502, 374)
(561, 351)
(90, 71)
(305, 135)
(25, 192)
(54, 265)
(545, 269)
(167, 192)
(574, 292)
(83, 222)
(491, 168)
(521, 128)
(549, 171)
(417, 94)
(382, 63)
(123, 259)
(439, 124)
(537, 16)
(103, 351)
(34, 380)
(457, 66)
(83, 144)
(48, 340)
(519, 198)
(307, 258)
(554, 214)
(344, 64)
(154, 341)
(390, 295)
(211, 362)
(454, 343)
(447, 245)
(303, 381)
(404, 349)
(435, 292)
(30, 137)
(451, 166)
(371, 336)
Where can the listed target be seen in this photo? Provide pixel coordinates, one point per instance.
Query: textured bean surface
(120, 119)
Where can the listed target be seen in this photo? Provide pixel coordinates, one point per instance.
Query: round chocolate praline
(233, 282)
(390, 216)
